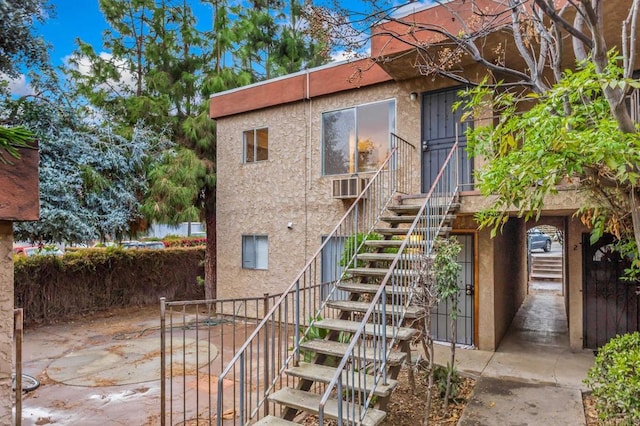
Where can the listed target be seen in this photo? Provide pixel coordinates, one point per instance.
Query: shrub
(171, 241)
(52, 288)
(615, 380)
(440, 375)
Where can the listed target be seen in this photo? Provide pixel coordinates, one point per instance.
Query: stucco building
(292, 152)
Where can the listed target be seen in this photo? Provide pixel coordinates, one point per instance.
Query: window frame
(392, 129)
(255, 131)
(254, 264)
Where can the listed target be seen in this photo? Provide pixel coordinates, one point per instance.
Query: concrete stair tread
(368, 288)
(547, 270)
(354, 306)
(546, 263)
(546, 275)
(404, 333)
(324, 374)
(403, 231)
(388, 243)
(411, 218)
(415, 208)
(273, 421)
(309, 402)
(337, 349)
(381, 257)
(380, 272)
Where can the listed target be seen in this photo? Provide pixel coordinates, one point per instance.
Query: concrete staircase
(546, 268)
(361, 283)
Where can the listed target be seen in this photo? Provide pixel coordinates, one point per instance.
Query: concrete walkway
(533, 378)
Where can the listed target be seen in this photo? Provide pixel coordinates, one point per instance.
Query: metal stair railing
(257, 369)
(372, 345)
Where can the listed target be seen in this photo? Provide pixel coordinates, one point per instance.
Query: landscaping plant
(446, 270)
(615, 380)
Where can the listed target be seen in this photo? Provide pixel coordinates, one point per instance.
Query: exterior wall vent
(348, 188)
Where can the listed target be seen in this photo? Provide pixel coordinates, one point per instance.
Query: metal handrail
(374, 346)
(305, 301)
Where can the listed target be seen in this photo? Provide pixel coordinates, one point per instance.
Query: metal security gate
(439, 125)
(440, 317)
(611, 305)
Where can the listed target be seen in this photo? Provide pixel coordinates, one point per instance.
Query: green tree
(446, 270)
(89, 176)
(154, 71)
(567, 137)
(161, 69)
(19, 46)
(542, 34)
(19, 43)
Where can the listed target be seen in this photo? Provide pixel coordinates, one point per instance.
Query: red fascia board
(259, 96)
(321, 81)
(346, 77)
(399, 35)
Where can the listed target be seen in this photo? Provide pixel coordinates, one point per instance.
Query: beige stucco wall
(6, 320)
(502, 277)
(262, 198)
(573, 250)
(510, 274)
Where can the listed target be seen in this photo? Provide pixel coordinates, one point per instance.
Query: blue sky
(82, 19)
(73, 19)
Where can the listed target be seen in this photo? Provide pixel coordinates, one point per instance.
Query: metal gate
(611, 305)
(440, 129)
(440, 317)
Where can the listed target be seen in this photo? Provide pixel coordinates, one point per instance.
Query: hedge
(52, 289)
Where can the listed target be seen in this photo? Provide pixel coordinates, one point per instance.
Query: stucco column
(574, 277)
(486, 296)
(6, 320)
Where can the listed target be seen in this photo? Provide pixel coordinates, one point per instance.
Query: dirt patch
(407, 409)
(590, 411)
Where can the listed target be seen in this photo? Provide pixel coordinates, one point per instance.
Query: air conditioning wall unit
(348, 188)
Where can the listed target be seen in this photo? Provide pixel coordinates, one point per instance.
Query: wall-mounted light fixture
(413, 96)
(290, 225)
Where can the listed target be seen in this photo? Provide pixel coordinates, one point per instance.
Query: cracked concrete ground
(105, 369)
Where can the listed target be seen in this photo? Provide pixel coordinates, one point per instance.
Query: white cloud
(18, 86)
(342, 55)
(416, 6)
(83, 65)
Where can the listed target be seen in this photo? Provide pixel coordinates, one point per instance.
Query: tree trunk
(427, 347)
(210, 257)
(452, 360)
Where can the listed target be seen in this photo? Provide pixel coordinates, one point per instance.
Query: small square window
(255, 252)
(256, 145)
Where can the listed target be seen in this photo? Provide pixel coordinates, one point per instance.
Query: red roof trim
(296, 87)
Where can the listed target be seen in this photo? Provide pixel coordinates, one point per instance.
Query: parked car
(38, 251)
(131, 244)
(537, 239)
(151, 245)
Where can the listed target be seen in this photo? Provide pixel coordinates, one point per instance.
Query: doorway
(545, 260)
(611, 304)
(440, 321)
(441, 127)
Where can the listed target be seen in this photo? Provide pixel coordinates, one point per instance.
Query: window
(357, 139)
(255, 252)
(256, 145)
(332, 267)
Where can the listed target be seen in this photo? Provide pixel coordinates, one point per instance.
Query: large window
(256, 145)
(255, 252)
(332, 267)
(357, 139)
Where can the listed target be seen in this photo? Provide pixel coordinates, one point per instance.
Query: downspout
(308, 162)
